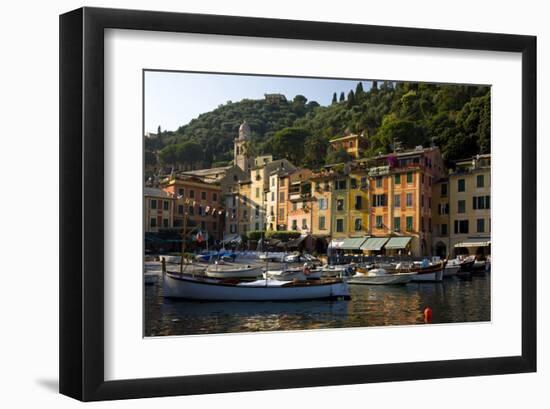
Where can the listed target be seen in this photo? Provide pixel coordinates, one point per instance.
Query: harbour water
(455, 300)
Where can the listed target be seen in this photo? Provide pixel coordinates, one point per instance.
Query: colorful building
(201, 202)
(158, 210)
(300, 201)
(464, 208)
(321, 204)
(353, 144)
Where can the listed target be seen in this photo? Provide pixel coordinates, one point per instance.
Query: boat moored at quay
(207, 289)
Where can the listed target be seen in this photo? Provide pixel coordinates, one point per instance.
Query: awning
(374, 243)
(474, 243)
(353, 243)
(336, 244)
(397, 243)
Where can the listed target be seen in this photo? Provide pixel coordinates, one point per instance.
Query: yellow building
(321, 204)
(353, 144)
(158, 210)
(466, 197)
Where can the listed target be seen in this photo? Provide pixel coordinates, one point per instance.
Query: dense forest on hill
(455, 118)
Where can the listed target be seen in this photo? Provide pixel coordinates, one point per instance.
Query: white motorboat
(379, 276)
(339, 270)
(180, 286)
(451, 268)
(227, 270)
(425, 271)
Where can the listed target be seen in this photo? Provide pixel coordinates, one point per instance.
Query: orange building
(158, 210)
(300, 201)
(201, 201)
(353, 144)
(401, 198)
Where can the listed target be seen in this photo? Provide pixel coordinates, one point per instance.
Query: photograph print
(276, 203)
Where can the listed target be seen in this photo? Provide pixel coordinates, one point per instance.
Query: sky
(172, 99)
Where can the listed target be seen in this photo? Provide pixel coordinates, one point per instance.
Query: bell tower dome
(240, 144)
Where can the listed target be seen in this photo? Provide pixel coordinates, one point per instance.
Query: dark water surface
(454, 300)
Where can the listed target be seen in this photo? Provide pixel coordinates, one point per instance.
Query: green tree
(315, 150)
(339, 155)
(342, 96)
(168, 155)
(351, 99)
(334, 99)
(289, 143)
(359, 89)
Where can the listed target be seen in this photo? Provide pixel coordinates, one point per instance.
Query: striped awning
(474, 243)
(397, 243)
(353, 243)
(374, 243)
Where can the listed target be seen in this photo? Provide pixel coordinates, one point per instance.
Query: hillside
(455, 118)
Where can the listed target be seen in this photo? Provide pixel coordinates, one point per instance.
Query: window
(153, 222)
(323, 204)
(232, 228)
(378, 181)
(153, 204)
(294, 206)
(422, 200)
(461, 206)
(203, 195)
(201, 212)
(358, 202)
(191, 210)
(363, 182)
(322, 223)
(340, 184)
(480, 180)
(180, 209)
(282, 182)
(379, 222)
(422, 223)
(339, 225)
(304, 224)
(214, 197)
(281, 196)
(257, 211)
(409, 199)
(397, 223)
(353, 183)
(271, 212)
(409, 221)
(272, 196)
(192, 194)
(461, 226)
(409, 177)
(461, 185)
(166, 205)
(444, 230)
(443, 190)
(379, 200)
(429, 180)
(481, 225)
(340, 204)
(422, 179)
(430, 224)
(358, 225)
(181, 191)
(443, 208)
(396, 200)
(281, 214)
(481, 202)
(257, 192)
(257, 226)
(164, 223)
(234, 200)
(430, 202)
(397, 179)
(294, 224)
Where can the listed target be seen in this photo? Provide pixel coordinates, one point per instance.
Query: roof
(155, 192)
(374, 243)
(343, 138)
(279, 164)
(208, 172)
(397, 243)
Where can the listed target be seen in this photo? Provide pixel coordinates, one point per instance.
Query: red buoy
(428, 315)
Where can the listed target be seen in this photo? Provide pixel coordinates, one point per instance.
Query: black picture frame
(82, 193)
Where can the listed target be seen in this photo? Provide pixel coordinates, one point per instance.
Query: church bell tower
(240, 157)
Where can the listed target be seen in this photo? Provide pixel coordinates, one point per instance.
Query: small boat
(467, 264)
(451, 268)
(424, 271)
(379, 276)
(340, 270)
(225, 270)
(180, 286)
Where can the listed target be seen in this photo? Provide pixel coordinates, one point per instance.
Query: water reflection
(453, 300)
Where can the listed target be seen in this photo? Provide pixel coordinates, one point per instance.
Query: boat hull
(451, 271)
(175, 286)
(434, 276)
(388, 279)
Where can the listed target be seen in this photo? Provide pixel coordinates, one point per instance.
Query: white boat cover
(262, 283)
